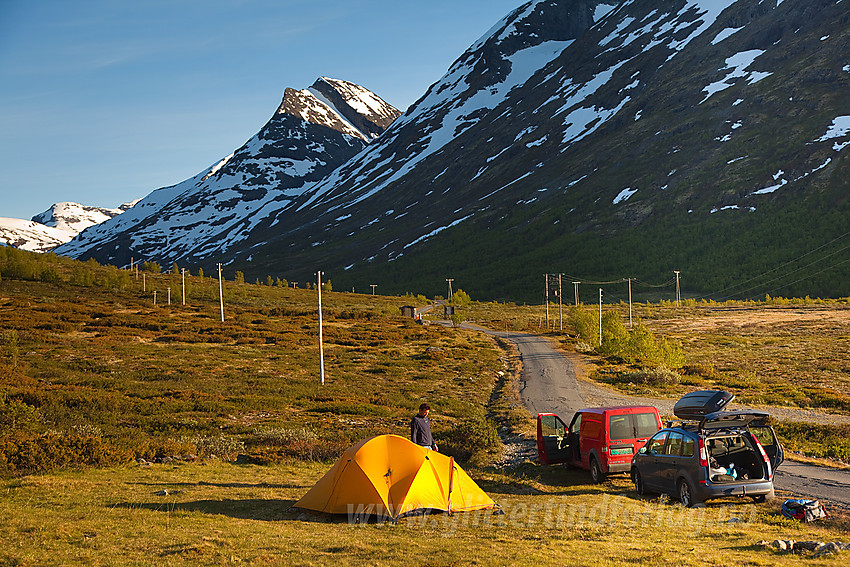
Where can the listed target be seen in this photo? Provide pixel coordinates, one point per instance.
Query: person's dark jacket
(420, 431)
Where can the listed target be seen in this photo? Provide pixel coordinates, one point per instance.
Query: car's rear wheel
(765, 497)
(640, 488)
(686, 494)
(596, 474)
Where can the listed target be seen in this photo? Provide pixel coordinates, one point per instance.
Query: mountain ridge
(57, 225)
(594, 138)
(203, 216)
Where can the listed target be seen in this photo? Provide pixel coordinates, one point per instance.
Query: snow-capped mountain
(312, 132)
(74, 218)
(57, 225)
(30, 235)
(597, 138)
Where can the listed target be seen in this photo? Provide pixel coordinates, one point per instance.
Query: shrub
(31, 454)
(457, 318)
(460, 297)
(209, 446)
(16, 415)
(644, 346)
(615, 337)
(470, 440)
(815, 440)
(660, 376)
(303, 444)
(152, 267)
(159, 448)
(585, 324)
(637, 345)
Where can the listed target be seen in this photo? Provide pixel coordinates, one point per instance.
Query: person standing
(420, 428)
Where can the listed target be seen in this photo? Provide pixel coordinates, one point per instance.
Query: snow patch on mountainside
(840, 128)
(624, 195)
(707, 12)
(738, 65)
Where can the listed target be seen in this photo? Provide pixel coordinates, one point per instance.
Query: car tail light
(703, 454)
(765, 457)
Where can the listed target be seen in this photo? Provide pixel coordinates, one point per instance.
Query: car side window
(619, 427)
(655, 446)
(575, 426)
(688, 447)
(645, 424)
(764, 435)
(552, 426)
(674, 444)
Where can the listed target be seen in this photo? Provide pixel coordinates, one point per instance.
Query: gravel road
(549, 383)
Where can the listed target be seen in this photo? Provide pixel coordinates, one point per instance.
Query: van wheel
(686, 494)
(596, 474)
(638, 480)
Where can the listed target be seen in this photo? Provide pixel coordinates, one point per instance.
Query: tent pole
(451, 482)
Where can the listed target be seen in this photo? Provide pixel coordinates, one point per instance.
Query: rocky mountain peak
(309, 135)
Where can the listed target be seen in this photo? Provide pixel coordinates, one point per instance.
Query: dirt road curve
(549, 384)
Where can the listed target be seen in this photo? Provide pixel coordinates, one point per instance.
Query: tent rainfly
(389, 476)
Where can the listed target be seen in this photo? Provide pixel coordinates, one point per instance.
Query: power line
(801, 268)
(779, 267)
(811, 275)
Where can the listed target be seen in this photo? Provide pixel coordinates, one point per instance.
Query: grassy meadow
(219, 513)
(134, 433)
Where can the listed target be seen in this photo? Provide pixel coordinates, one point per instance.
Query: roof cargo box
(696, 405)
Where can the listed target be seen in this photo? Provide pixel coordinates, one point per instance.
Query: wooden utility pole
(630, 303)
(600, 316)
(321, 346)
(154, 297)
(169, 295)
(450, 280)
(678, 291)
(576, 286)
(373, 286)
(560, 309)
(220, 294)
(144, 282)
(546, 277)
(183, 273)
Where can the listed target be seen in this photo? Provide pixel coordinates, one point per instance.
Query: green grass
(219, 513)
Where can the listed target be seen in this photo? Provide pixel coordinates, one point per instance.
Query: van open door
(552, 439)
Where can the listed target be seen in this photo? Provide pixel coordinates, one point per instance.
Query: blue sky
(103, 101)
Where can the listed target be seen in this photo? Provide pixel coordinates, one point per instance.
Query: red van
(602, 440)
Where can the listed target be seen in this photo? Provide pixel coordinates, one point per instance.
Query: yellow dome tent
(390, 476)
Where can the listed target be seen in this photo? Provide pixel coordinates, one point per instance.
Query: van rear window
(632, 426)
